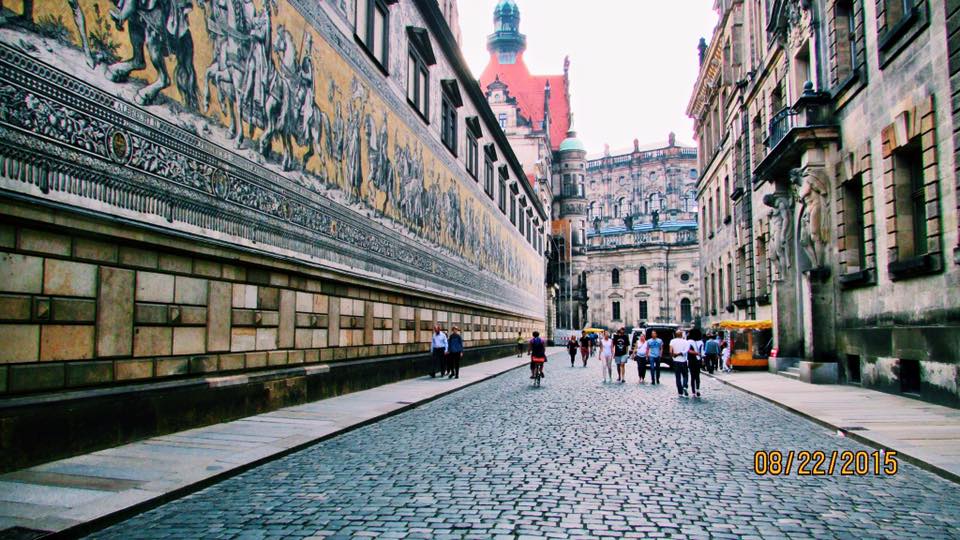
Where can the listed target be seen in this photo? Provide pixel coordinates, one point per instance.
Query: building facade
(534, 112)
(330, 201)
(641, 243)
(837, 120)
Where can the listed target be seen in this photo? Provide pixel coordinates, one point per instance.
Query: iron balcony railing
(811, 110)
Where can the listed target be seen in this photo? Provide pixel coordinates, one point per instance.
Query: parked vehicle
(665, 332)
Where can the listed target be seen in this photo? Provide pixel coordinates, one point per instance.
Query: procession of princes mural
(254, 77)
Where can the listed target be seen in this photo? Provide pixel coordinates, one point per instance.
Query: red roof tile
(529, 90)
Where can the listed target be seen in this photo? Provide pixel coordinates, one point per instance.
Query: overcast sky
(633, 62)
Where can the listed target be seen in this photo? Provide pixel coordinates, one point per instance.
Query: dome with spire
(506, 7)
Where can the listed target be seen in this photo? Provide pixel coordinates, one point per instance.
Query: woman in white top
(640, 355)
(606, 357)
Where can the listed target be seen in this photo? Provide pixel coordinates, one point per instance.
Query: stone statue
(628, 222)
(814, 229)
(656, 219)
(596, 225)
(780, 227)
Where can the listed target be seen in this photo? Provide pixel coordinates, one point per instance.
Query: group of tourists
(446, 352)
(688, 357)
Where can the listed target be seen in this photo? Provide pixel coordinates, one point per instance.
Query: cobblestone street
(575, 458)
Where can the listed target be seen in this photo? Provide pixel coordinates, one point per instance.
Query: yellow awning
(593, 330)
(744, 325)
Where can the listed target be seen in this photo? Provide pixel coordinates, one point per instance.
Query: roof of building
(529, 91)
(572, 143)
(646, 227)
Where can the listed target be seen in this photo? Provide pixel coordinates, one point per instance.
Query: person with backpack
(454, 352)
(679, 349)
(711, 352)
(572, 348)
(538, 355)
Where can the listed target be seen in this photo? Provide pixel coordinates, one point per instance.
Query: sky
(633, 63)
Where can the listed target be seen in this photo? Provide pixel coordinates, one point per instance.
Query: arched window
(593, 210)
(643, 275)
(686, 315)
(618, 208)
(615, 276)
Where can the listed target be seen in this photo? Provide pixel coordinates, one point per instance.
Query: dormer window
(419, 58)
(450, 101)
(373, 29)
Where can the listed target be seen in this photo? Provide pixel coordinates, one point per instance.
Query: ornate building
(832, 120)
(642, 237)
(312, 183)
(534, 112)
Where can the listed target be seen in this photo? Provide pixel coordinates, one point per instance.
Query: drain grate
(21, 533)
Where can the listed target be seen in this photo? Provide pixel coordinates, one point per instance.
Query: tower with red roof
(534, 112)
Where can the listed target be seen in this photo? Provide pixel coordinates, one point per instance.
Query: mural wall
(237, 119)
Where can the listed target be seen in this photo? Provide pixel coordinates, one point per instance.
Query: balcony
(793, 130)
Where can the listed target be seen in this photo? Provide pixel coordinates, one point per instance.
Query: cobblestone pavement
(575, 458)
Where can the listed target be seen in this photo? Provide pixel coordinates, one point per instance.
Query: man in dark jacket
(454, 352)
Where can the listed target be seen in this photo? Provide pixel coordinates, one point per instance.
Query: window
(684, 277)
(853, 368)
(910, 200)
(373, 28)
(686, 312)
(616, 311)
(418, 84)
(642, 275)
(895, 10)
(513, 210)
(448, 124)
(472, 163)
(721, 294)
(419, 59)
(726, 198)
(643, 310)
(502, 199)
(615, 277)
(846, 40)
(488, 177)
(853, 228)
(520, 219)
(730, 288)
(502, 118)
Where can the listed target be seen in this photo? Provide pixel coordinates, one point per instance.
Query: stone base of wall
(818, 372)
(41, 428)
(880, 351)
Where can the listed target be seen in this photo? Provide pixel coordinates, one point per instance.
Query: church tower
(506, 41)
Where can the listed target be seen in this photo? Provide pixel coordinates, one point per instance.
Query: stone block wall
(80, 312)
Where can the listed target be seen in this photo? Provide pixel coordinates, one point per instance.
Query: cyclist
(538, 355)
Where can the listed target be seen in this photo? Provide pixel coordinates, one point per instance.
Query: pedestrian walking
(654, 350)
(572, 348)
(621, 348)
(694, 363)
(454, 352)
(639, 354)
(725, 356)
(521, 344)
(584, 348)
(679, 347)
(594, 340)
(438, 344)
(606, 357)
(711, 353)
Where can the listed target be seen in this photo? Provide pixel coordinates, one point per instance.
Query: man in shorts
(621, 348)
(584, 348)
(538, 355)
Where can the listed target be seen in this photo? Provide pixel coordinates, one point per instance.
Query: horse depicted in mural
(382, 176)
(290, 110)
(227, 26)
(160, 26)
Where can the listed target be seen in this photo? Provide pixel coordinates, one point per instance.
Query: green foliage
(53, 27)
